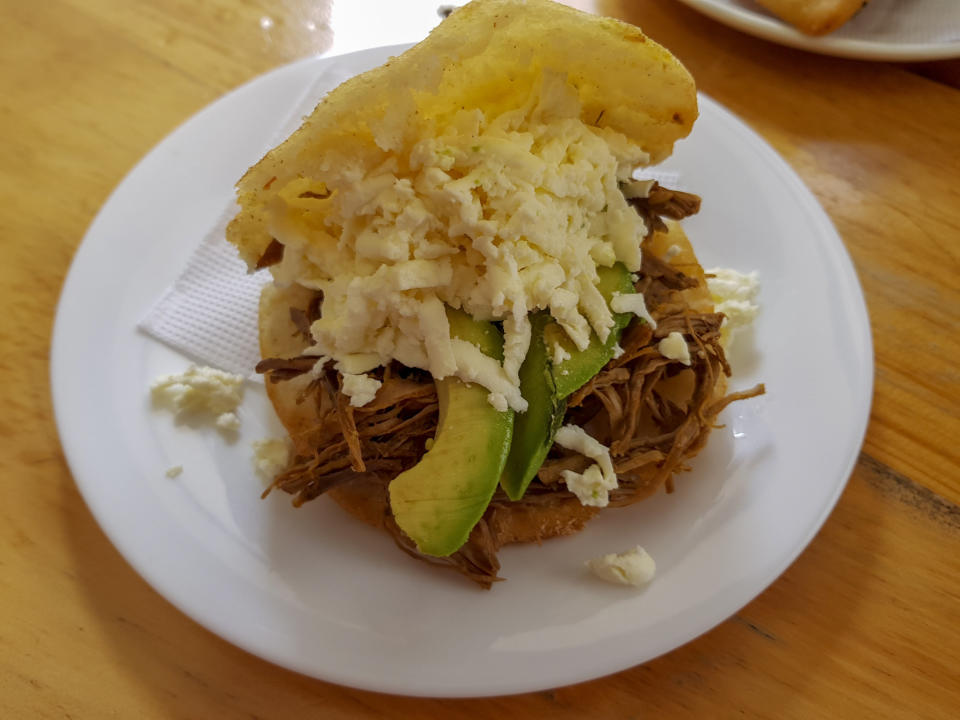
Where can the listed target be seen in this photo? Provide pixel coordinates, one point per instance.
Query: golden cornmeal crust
(489, 54)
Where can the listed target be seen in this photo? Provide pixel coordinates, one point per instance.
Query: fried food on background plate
(814, 17)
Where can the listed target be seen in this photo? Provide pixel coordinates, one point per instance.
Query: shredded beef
(380, 439)
(272, 255)
(477, 559)
(674, 204)
(303, 319)
(277, 369)
(299, 318)
(661, 201)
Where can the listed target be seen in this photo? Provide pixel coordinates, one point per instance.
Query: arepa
(487, 170)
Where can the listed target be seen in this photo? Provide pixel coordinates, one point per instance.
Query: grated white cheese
(558, 354)
(270, 457)
(634, 567)
(201, 393)
(734, 294)
(228, 422)
(361, 389)
(499, 216)
(593, 485)
(637, 188)
(474, 366)
(498, 401)
(674, 347)
(357, 363)
(632, 303)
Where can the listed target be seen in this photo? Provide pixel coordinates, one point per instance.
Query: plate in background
(890, 30)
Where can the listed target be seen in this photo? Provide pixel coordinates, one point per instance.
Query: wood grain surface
(864, 624)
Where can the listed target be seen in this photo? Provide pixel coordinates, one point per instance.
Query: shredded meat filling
(272, 255)
(662, 202)
(652, 412)
(278, 369)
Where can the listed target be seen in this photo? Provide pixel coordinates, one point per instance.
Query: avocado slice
(439, 500)
(575, 371)
(545, 386)
(534, 429)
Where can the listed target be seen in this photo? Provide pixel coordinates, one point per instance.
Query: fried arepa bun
(489, 54)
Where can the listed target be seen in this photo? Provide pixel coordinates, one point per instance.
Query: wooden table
(865, 624)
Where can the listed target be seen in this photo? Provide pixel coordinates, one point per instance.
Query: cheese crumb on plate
(735, 295)
(634, 567)
(201, 393)
(271, 457)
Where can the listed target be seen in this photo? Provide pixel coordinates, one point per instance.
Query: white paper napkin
(210, 312)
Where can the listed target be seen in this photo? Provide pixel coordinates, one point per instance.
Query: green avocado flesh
(571, 374)
(533, 430)
(545, 386)
(439, 500)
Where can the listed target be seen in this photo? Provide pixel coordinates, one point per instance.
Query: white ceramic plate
(317, 592)
(889, 30)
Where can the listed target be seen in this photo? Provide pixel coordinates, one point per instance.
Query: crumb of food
(633, 567)
(201, 393)
(674, 347)
(361, 389)
(632, 303)
(498, 401)
(559, 354)
(592, 487)
(228, 421)
(271, 457)
(174, 471)
(671, 253)
(735, 295)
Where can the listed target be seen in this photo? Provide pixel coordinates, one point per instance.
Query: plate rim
(59, 357)
(773, 30)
